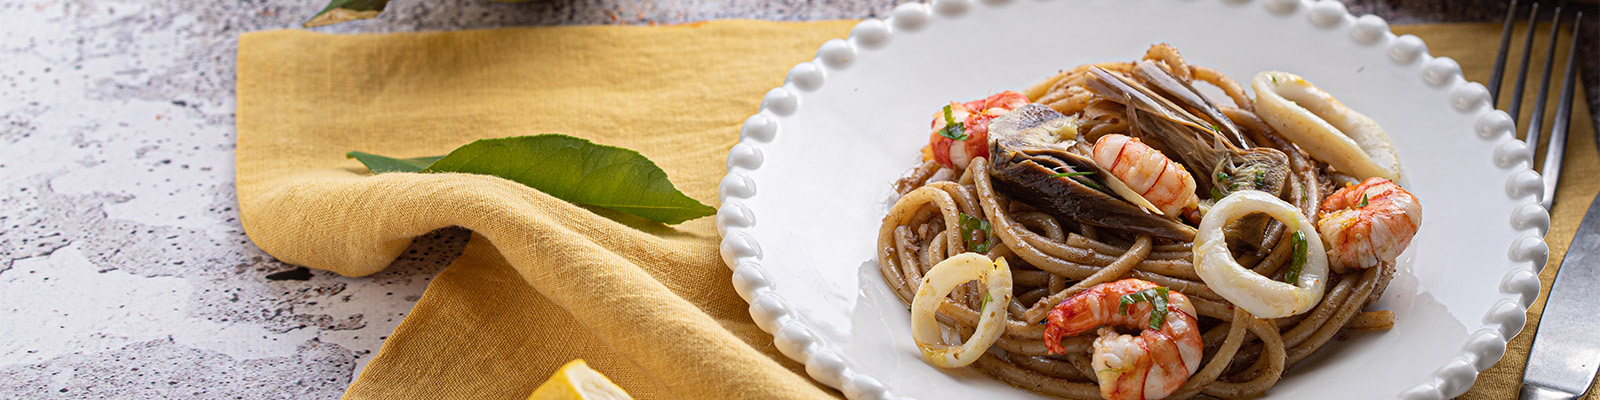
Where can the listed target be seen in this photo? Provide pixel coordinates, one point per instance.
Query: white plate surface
(809, 182)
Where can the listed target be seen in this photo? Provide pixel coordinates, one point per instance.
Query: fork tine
(1498, 73)
(1563, 118)
(1536, 119)
(1522, 72)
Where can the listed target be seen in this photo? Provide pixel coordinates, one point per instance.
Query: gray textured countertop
(124, 272)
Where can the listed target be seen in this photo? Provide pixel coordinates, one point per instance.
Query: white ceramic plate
(809, 181)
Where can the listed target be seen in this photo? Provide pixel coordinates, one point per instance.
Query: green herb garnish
(1089, 183)
(380, 164)
(1157, 297)
(975, 233)
(566, 168)
(1215, 128)
(1299, 241)
(346, 10)
(952, 129)
(1216, 194)
(1363, 201)
(1080, 177)
(986, 299)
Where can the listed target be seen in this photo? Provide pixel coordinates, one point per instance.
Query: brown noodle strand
(1117, 269)
(1330, 304)
(1228, 86)
(1015, 308)
(1081, 255)
(1219, 360)
(933, 253)
(1168, 55)
(1033, 381)
(902, 241)
(916, 177)
(1036, 347)
(1044, 222)
(1104, 253)
(962, 196)
(1276, 363)
(1046, 366)
(968, 317)
(1209, 308)
(1057, 283)
(1385, 274)
(1371, 320)
(1084, 363)
(1280, 255)
(1030, 278)
(1212, 338)
(1033, 296)
(1353, 304)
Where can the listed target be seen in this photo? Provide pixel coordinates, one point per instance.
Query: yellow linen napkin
(543, 281)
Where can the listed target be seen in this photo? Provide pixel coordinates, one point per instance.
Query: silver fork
(1565, 355)
(1551, 170)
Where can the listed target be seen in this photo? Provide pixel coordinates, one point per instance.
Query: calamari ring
(1325, 128)
(1261, 296)
(944, 277)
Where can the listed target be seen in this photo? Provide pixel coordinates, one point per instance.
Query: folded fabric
(543, 281)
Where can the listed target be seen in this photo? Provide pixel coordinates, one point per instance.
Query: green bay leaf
(346, 10)
(567, 168)
(381, 164)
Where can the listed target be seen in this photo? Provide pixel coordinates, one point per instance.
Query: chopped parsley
(952, 129)
(1157, 297)
(975, 233)
(1363, 201)
(1222, 181)
(1080, 177)
(1299, 263)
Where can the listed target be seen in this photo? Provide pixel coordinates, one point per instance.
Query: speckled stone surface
(124, 272)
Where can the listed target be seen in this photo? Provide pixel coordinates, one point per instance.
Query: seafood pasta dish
(1112, 232)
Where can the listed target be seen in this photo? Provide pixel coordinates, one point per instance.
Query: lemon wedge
(577, 381)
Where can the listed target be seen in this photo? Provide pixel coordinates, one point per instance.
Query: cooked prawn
(1149, 366)
(974, 117)
(1368, 223)
(1149, 173)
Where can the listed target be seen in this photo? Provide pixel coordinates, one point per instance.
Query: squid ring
(1261, 296)
(1313, 119)
(994, 276)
